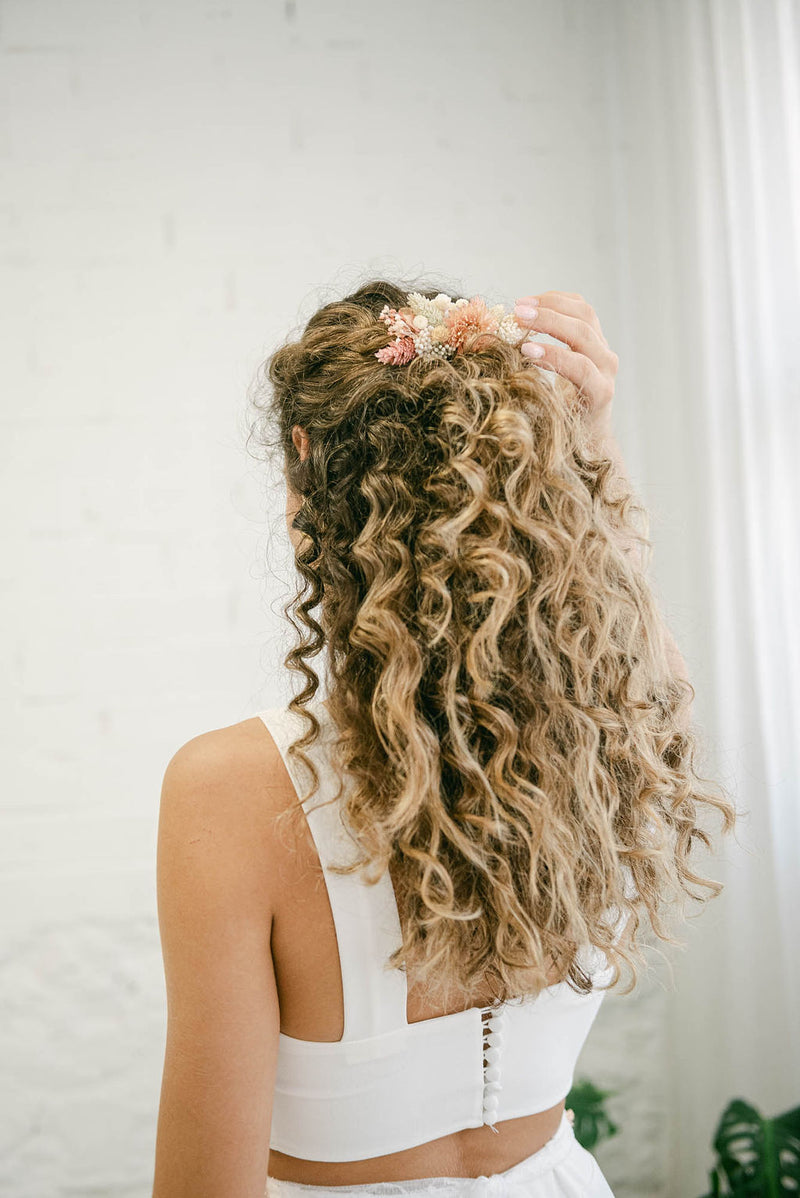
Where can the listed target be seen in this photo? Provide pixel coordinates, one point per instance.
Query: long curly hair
(507, 718)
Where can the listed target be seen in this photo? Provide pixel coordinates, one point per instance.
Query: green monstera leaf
(592, 1123)
(757, 1157)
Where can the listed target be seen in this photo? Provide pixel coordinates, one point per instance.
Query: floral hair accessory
(439, 327)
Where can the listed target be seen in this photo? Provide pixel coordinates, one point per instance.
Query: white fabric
(561, 1169)
(388, 1085)
(707, 149)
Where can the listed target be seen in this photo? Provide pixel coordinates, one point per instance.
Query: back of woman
(489, 798)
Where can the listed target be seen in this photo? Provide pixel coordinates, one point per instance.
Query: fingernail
(526, 311)
(532, 349)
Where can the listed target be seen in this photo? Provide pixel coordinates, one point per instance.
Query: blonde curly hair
(512, 730)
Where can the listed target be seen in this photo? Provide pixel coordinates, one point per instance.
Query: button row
(493, 1038)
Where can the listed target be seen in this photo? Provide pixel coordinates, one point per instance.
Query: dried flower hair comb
(439, 327)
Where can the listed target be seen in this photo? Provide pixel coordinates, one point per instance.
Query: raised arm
(587, 360)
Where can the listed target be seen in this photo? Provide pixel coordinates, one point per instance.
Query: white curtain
(706, 117)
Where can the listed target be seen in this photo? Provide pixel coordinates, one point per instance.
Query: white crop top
(388, 1085)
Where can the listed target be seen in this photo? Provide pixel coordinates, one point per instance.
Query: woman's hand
(589, 363)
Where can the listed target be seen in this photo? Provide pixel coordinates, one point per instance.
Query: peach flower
(471, 318)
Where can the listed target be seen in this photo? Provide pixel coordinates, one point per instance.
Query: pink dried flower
(398, 322)
(398, 353)
(409, 318)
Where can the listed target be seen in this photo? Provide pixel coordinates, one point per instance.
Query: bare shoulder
(239, 763)
(218, 875)
(233, 757)
(220, 796)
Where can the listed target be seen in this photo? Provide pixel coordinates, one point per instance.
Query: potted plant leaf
(757, 1157)
(592, 1124)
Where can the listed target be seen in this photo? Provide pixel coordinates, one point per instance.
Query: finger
(579, 369)
(571, 304)
(577, 334)
(568, 302)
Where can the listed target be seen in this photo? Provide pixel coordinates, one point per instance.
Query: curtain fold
(705, 103)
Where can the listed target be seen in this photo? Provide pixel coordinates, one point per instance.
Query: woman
(505, 748)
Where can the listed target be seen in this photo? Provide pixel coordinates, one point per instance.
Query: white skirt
(562, 1168)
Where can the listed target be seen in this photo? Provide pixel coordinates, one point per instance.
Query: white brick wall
(181, 183)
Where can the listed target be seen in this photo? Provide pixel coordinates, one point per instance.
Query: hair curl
(512, 729)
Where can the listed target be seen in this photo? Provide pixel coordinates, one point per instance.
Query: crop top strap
(365, 917)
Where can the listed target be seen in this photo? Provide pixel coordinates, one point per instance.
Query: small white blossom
(510, 331)
(424, 307)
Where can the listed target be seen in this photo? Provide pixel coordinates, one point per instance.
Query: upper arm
(223, 1020)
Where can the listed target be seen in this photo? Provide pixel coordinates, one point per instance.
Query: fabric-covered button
(492, 1042)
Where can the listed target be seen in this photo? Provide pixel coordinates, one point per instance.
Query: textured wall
(181, 183)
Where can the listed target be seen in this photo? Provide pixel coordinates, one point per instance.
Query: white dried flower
(425, 307)
(510, 331)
